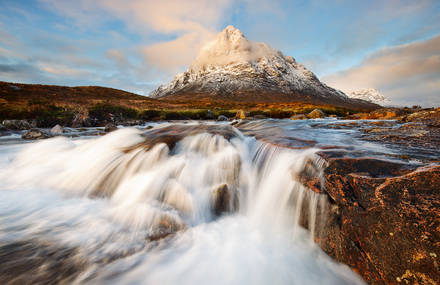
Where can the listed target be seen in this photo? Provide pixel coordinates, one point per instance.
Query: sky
(390, 45)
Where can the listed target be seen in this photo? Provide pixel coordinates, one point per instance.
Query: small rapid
(210, 205)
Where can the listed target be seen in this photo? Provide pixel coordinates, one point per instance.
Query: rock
(298, 117)
(430, 118)
(260, 117)
(240, 115)
(233, 123)
(149, 127)
(132, 122)
(110, 128)
(3, 128)
(81, 119)
(210, 115)
(222, 118)
(16, 124)
(165, 226)
(316, 114)
(385, 220)
(35, 134)
(224, 200)
(56, 130)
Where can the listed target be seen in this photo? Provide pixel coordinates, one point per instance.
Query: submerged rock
(35, 134)
(224, 200)
(222, 118)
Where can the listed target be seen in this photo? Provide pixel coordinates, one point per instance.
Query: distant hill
(24, 95)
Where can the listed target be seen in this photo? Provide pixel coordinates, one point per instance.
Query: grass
(50, 105)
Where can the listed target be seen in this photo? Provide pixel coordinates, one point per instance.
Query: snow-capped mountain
(234, 68)
(370, 95)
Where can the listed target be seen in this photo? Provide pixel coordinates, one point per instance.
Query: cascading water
(212, 209)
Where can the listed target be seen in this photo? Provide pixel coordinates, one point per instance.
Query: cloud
(407, 74)
(190, 24)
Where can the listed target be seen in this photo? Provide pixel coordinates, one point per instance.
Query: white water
(106, 198)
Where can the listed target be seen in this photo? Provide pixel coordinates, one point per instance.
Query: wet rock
(16, 124)
(299, 117)
(132, 122)
(56, 130)
(110, 128)
(35, 134)
(39, 262)
(240, 115)
(172, 134)
(260, 117)
(316, 114)
(430, 118)
(224, 200)
(165, 226)
(222, 118)
(386, 221)
(3, 128)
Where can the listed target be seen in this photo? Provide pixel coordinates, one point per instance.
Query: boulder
(16, 124)
(298, 117)
(222, 118)
(240, 114)
(316, 114)
(3, 128)
(385, 220)
(110, 128)
(35, 134)
(56, 130)
(224, 200)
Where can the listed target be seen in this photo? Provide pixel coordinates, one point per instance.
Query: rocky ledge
(384, 219)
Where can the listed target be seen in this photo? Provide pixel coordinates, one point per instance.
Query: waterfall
(148, 213)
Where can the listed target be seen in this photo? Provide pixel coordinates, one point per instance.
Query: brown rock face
(386, 225)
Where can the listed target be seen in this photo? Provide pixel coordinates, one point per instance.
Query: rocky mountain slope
(234, 68)
(370, 95)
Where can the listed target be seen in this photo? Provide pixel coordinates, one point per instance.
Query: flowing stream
(205, 209)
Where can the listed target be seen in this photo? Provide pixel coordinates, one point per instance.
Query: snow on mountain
(232, 67)
(370, 95)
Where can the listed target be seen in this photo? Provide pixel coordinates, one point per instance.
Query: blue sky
(390, 45)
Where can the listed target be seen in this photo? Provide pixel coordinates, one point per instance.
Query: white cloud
(407, 74)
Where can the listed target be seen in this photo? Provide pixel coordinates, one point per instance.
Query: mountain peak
(230, 47)
(370, 95)
(233, 68)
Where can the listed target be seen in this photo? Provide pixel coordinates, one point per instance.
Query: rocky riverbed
(365, 191)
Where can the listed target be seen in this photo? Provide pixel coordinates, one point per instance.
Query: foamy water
(210, 211)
